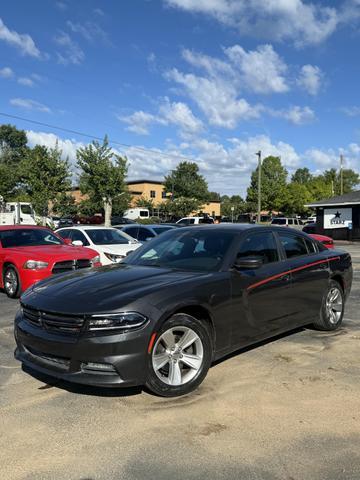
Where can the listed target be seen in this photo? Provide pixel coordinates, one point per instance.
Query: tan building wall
(151, 190)
(148, 190)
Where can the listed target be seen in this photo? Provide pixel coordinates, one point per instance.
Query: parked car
(29, 254)
(111, 244)
(287, 222)
(117, 220)
(187, 298)
(185, 221)
(60, 222)
(326, 241)
(144, 233)
(310, 228)
(88, 220)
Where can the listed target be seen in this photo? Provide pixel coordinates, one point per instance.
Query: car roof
(22, 227)
(86, 227)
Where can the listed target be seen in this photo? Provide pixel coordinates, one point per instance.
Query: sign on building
(337, 217)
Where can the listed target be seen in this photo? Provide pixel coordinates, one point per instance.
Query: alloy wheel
(10, 282)
(177, 356)
(334, 305)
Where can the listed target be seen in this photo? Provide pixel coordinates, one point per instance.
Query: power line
(94, 137)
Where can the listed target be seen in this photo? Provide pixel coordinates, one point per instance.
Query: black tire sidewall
(160, 388)
(17, 292)
(326, 324)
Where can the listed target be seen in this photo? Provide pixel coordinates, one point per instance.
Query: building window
(163, 194)
(152, 193)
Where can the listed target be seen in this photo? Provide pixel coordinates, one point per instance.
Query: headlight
(35, 265)
(114, 258)
(95, 260)
(117, 321)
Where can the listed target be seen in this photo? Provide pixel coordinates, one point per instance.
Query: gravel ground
(288, 409)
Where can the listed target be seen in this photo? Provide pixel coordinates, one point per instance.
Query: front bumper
(120, 359)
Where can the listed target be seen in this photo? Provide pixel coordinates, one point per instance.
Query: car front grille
(68, 265)
(60, 362)
(53, 322)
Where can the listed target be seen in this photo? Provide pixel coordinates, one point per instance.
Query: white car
(194, 220)
(111, 244)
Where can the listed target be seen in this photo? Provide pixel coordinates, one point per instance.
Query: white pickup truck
(17, 213)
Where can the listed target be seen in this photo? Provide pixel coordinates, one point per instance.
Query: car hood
(53, 252)
(102, 289)
(121, 249)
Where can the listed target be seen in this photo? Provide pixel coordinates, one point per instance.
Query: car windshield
(28, 237)
(279, 221)
(108, 236)
(199, 250)
(26, 209)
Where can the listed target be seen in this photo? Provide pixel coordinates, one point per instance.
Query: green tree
(46, 175)
(234, 201)
(296, 196)
(182, 206)
(13, 149)
(146, 203)
(273, 184)
(102, 175)
(186, 182)
(65, 205)
(302, 175)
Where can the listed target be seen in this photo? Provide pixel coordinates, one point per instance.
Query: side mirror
(248, 263)
(67, 241)
(147, 239)
(77, 243)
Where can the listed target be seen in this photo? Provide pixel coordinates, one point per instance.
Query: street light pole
(341, 175)
(259, 186)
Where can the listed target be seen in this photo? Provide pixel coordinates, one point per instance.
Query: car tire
(332, 308)
(11, 282)
(180, 357)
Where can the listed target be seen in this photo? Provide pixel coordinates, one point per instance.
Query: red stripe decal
(151, 343)
(303, 267)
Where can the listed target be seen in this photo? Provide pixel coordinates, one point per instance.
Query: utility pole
(259, 185)
(341, 175)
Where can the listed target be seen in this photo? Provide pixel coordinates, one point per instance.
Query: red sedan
(326, 241)
(29, 254)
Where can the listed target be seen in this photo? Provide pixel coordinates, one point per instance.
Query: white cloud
(99, 12)
(302, 23)
(296, 114)
(139, 122)
(169, 113)
(179, 114)
(310, 79)
(89, 30)
(262, 70)
(353, 111)
(71, 52)
(6, 72)
(22, 41)
(216, 97)
(26, 81)
(232, 161)
(28, 104)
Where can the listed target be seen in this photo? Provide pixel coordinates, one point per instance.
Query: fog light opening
(98, 367)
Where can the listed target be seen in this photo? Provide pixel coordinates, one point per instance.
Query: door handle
(286, 277)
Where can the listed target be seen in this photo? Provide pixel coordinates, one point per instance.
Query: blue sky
(209, 80)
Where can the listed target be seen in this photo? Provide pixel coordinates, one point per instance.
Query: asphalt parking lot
(288, 409)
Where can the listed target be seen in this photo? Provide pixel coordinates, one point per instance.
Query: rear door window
(294, 245)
